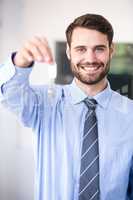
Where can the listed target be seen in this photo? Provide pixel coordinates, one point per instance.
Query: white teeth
(90, 68)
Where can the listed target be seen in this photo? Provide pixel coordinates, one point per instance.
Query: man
(60, 123)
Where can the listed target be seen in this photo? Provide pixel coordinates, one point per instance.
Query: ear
(112, 50)
(68, 51)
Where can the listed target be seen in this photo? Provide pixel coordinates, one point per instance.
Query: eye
(100, 49)
(81, 49)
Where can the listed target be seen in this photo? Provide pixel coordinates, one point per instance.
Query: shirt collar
(77, 95)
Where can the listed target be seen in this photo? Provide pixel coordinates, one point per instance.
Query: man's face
(89, 55)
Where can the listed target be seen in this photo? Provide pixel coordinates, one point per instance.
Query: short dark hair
(91, 21)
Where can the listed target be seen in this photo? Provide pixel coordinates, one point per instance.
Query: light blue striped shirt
(58, 121)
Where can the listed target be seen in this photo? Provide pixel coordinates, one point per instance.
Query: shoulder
(121, 102)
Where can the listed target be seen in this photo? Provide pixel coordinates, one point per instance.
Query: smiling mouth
(91, 68)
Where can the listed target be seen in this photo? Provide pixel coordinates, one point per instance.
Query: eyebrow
(100, 45)
(80, 46)
(83, 46)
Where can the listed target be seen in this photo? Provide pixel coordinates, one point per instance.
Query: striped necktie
(89, 170)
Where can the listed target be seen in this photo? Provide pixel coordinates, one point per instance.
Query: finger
(27, 55)
(34, 51)
(48, 49)
(43, 46)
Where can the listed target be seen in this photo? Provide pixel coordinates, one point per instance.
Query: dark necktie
(89, 170)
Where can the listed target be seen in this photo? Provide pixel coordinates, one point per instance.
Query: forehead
(85, 37)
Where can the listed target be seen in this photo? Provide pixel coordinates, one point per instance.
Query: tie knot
(90, 103)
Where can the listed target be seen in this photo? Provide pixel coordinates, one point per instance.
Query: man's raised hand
(36, 49)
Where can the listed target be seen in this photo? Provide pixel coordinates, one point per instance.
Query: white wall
(21, 19)
(51, 17)
(16, 143)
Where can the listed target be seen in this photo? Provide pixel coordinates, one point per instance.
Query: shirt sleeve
(17, 95)
(7, 70)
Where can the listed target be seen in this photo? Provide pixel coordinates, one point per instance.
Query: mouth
(90, 68)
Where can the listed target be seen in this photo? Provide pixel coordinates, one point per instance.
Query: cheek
(75, 60)
(103, 58)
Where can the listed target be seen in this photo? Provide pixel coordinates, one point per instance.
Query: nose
(90, 56)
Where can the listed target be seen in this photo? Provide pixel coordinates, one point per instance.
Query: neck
(92, 90)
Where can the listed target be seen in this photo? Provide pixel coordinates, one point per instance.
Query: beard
(89, 77)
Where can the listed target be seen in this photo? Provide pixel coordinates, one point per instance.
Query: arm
(16, 94)
(130, 184)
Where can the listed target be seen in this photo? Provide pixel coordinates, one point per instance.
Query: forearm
(14, 90)
(16, 94)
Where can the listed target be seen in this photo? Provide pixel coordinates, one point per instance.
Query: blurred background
(21, 20)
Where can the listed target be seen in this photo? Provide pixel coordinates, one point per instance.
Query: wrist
(13, 61)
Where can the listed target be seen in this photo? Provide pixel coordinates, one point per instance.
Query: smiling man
(84, 132)
(90, 58)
